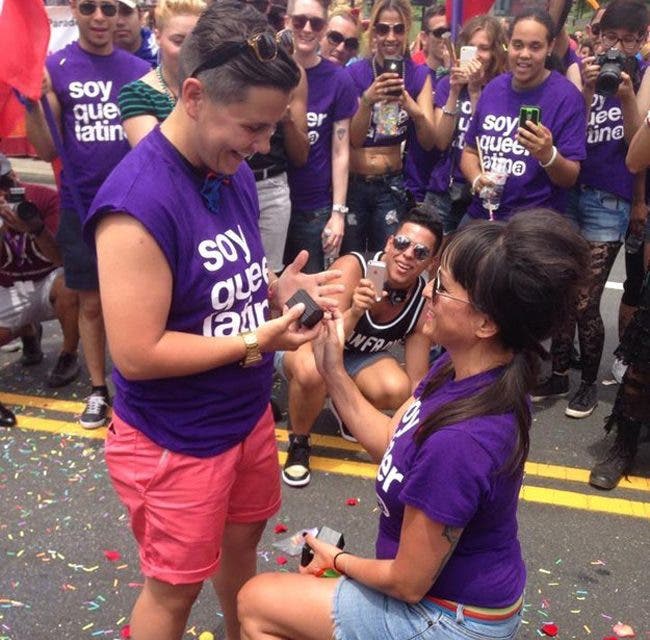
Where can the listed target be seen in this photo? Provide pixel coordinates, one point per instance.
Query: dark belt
(268, 172)
(358, 177)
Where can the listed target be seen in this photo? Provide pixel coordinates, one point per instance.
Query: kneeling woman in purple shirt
(448, 563)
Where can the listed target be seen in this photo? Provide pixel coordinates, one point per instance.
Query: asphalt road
(68, 564)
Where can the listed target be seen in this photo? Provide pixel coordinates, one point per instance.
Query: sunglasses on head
(420, 251)
(300, 20)
(265, 46)
(88, 8)
(383, 28)
(335, 38)
(437, 33)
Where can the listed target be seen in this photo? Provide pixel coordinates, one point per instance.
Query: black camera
(25, 210)
(326, 535)
(611, 63)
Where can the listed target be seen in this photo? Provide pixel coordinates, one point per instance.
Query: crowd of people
(461, 200)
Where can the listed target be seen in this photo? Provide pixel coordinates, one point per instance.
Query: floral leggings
(591, 331)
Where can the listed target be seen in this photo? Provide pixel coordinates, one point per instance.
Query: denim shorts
(361, 613)
(601, 216)
(305, 232)
(79, 261)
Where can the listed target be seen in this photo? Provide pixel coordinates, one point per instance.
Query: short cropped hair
(228, 21)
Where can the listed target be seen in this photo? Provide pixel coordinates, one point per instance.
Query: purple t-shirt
(604, 167)
(87, 87)
(449, 162)
(496, 121)
(363, 75)
(418, 162)
(331, 98)
(458, 477)
(219, 289)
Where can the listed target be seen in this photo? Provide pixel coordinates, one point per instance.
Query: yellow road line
(543, 495)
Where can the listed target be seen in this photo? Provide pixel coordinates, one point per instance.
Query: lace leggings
(591, 331)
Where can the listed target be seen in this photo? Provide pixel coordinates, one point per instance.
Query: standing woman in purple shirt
(455, 101)
(376, 194)
(448, 562)
(542, 161)
(186, 294)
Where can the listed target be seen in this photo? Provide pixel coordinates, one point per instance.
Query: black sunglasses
(437, 33)
(300, 20)
(336, 38)
(383, 28)
(265, 46)
(420, 251)
(88, 8)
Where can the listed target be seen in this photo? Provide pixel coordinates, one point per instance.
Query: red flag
(471, 8)
(24, 34)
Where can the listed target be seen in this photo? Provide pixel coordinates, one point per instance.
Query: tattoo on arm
(452, 535)
(341, 133)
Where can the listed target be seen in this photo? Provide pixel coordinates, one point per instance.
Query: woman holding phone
(448, 562)
(455, 101)
(392, 91)
(539, 161)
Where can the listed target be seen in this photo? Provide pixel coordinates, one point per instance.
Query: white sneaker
(618, 370)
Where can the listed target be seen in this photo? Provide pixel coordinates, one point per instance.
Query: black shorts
(79, 260)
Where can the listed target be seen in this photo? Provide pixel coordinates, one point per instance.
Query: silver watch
(340, 208)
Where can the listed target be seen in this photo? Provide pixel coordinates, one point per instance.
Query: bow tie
(211, 190)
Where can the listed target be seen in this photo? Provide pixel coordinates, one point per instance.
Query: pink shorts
(179, 505)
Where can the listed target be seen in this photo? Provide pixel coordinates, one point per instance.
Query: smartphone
(528, 112)
(467, 53)
(394, 65)
(376, 273)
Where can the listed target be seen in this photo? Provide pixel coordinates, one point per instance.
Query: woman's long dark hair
(524, 275)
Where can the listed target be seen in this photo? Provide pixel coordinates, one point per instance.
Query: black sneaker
(32, 352)
(583, 402)
(96, 411)
(7, 417)
(65, 370)
(607, 473)
(343, 430)
(296, 468)
(554, 386)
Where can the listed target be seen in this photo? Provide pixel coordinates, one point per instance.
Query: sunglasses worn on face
(383, 28)
(265, 46)
(420, 251)
(88, 8)
(335, 38)
(437, 33)
(299, 21)
(440, 290)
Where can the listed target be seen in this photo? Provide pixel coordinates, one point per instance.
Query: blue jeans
(376, 208)
(305, 232)
(601, 216)
(361, 613)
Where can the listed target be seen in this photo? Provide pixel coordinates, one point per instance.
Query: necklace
(166, 90)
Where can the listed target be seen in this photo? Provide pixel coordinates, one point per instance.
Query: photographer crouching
(31, 281)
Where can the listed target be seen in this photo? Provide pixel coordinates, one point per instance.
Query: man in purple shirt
(82, 83)
(131, 36)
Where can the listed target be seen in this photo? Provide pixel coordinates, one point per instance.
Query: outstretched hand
(319, 286)
(323, 556)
